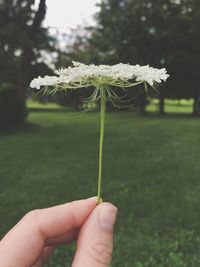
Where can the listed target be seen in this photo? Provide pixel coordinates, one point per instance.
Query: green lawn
(172, 106)
(151, 172)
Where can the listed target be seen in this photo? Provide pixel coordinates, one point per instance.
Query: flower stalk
(102, 126)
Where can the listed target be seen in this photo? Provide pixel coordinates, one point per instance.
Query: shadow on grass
(32, 127)
(19, 128)
(150, 114)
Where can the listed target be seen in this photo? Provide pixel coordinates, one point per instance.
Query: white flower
(120, 75)
(46, 81)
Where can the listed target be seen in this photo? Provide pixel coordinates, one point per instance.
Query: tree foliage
(22, 41)
(162, 33)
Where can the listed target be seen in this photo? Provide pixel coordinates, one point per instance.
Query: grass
(151, 172)
(37, 105)
(172, 106)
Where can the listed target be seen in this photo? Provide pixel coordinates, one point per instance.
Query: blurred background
(49, 147)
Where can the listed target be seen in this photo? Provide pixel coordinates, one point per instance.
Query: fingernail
(107, 216)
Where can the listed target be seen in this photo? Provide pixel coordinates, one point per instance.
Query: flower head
(119, 75)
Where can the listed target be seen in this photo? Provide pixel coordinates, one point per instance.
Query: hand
(32, 240)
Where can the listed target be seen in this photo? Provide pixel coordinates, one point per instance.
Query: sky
(65, 14)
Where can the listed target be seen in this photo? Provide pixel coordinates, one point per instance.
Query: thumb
(95, 240)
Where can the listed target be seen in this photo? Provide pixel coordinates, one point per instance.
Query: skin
(32, 240)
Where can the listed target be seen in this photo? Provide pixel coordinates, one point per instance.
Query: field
(151, 172)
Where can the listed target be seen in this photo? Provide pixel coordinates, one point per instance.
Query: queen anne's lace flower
(120, 75)
(102, 77)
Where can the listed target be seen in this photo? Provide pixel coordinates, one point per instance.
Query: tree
(22, 40)
(184, 56)
(126, 32)
(156, 32)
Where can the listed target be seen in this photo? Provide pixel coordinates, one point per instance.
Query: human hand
(32, 240)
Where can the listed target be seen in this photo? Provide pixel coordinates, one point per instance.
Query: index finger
(23, 245)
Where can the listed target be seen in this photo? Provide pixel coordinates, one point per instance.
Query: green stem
(102, 123)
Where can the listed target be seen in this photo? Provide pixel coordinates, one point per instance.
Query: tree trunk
(196, 103)
(142, 104)
(24, 80)
(27, 57)
(161, 106)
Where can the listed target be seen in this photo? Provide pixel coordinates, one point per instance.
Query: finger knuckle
(100, 252)
(32, 215)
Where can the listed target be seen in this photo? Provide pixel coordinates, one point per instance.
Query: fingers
(95, 241)
(24, 244)
(52, 242)
(63, 239)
